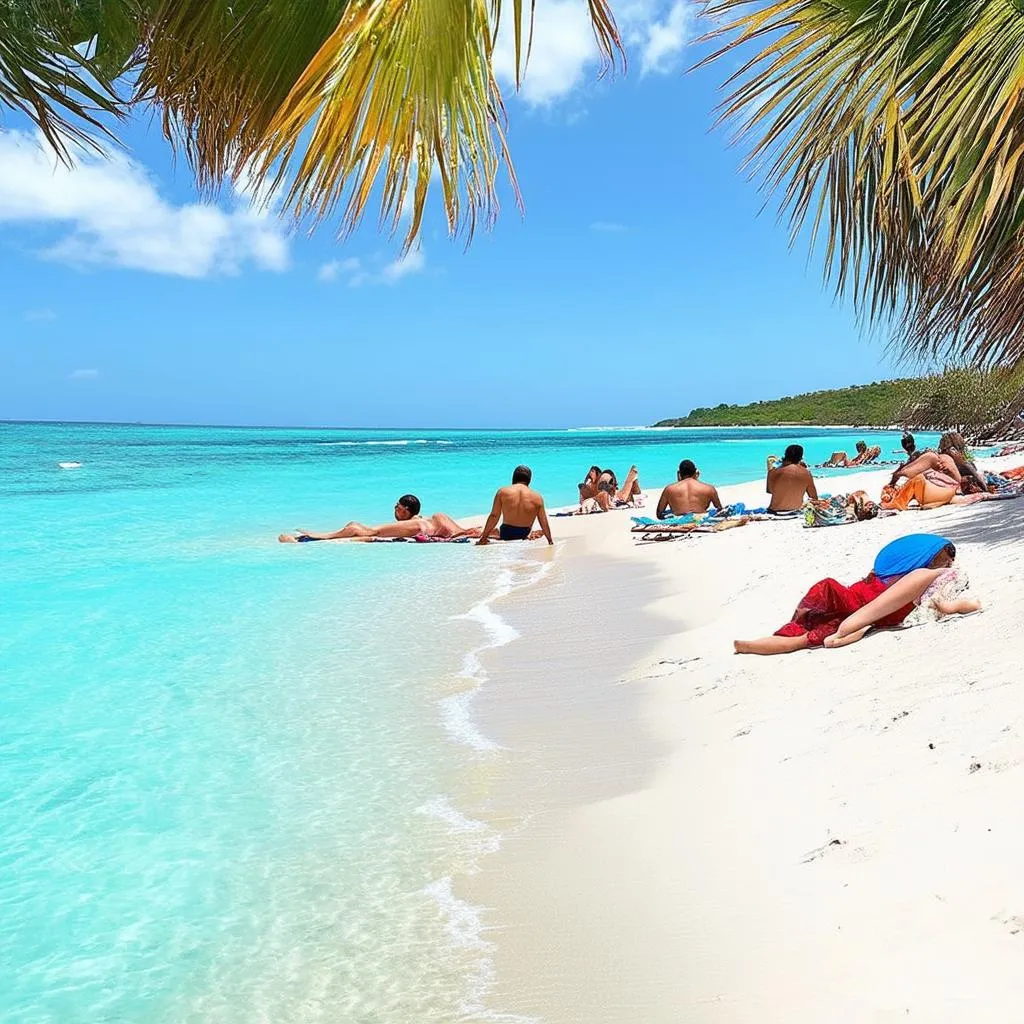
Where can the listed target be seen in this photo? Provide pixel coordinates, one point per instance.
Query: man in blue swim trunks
(518, 507)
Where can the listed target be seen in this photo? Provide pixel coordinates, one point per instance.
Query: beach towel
(420, 538)
(652, 530)
(836, 511)
(688, 520)
(946, 587)
(905, 554)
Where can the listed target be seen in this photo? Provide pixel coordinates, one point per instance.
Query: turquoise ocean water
(229, 768)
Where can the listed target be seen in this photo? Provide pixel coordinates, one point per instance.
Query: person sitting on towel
(518, 507)
(408, 523)
(788, 482)
(687, 496)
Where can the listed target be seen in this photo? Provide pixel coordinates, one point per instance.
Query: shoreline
(744, 815)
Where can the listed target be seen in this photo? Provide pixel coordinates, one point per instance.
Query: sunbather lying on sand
(831, 615)
(408, 523)
(933, 480)
(864, 457)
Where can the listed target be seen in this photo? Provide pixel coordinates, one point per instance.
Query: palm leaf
(44, 74)
(336, 99)
(896, 129)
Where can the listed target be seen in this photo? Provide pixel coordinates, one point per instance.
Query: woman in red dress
(832, 615)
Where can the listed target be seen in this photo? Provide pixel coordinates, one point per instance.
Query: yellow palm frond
(896, 129)
(336, 99)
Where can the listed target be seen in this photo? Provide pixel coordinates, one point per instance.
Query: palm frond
(896, 130)
(380, 101)
(45, 74)
(334, 98)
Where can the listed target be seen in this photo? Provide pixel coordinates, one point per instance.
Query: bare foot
(963, 606)
(742, 647)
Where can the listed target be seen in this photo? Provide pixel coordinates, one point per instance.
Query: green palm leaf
(337, 100)
(895, 130)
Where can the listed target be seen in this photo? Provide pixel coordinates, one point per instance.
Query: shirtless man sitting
(408, 523)
(518, 507)
(789, 482)
(688, 495)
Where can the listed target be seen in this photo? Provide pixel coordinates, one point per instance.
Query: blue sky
(643, 280)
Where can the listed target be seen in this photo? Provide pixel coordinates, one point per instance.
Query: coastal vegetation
(984, 405)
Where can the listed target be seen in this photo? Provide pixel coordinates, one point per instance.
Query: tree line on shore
(983, 405)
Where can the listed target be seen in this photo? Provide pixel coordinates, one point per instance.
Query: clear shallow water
(229, 768)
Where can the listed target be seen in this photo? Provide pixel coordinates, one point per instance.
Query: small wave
(465, 927)
(485, 839)
(459, 725)
(358, 444)
(69, 465)
(455, 708)
(591, 430)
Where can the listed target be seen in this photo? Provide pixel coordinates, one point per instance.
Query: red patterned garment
(828, 602)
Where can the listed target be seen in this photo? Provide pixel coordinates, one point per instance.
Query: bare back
(520, 505)
(787, 485)
(687, 497)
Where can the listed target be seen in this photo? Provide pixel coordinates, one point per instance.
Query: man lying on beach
(518, 507)
(408, 523)
(789, 482)
(864, 457)
(687, 496)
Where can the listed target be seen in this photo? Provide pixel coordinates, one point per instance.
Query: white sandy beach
(824, 836)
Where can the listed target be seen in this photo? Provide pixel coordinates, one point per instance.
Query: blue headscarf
(905, 554)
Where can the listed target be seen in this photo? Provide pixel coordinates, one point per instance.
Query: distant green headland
(983, 404)
(865, 405)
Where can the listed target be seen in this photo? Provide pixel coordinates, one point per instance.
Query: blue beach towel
(667, 521)
(905, 554)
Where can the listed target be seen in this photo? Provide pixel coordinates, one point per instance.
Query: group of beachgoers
(913, 578)
(515, 512)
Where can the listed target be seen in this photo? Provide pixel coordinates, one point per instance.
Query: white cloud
(84, 374)
(357, 273)
(39, 316)
(563, 44)
(333, 270)
(665, 40)
(412, 262)
(607, 227)
(564, 51)
(117, 216)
